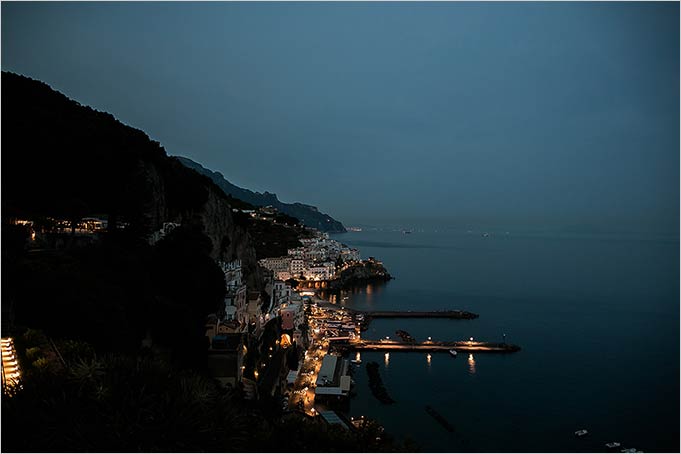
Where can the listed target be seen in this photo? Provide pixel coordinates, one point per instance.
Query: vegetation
(69, 161)
(140, 403)
(272, 240)
(88, 383)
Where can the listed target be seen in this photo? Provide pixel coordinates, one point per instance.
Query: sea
(596, 316)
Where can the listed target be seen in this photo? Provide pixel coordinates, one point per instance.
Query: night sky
(528, 114)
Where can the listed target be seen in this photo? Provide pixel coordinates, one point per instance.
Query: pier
(428, 346)
(421, 314)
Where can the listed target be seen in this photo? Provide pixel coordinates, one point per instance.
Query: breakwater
(376, 384)
(421, 314)
(428, 346)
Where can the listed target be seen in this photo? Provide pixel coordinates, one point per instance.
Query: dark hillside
(110, 322)
(308, 214)
(65, 161)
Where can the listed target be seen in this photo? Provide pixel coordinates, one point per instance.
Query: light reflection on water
(367, 294)
(602, 276)
(471, 364)
(386, 359)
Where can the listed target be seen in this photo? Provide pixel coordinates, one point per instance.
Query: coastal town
(285, 329)
(316, 227)
(287, 344)
(280, 342)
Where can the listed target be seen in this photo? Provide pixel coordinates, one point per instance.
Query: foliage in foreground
(140, 403)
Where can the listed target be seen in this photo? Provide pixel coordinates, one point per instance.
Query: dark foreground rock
(376, 384)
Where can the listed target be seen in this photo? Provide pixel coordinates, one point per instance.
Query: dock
(428, 346)
(421, 314)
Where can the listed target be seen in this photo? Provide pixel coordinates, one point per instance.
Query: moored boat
(453, 353)
(581, 432)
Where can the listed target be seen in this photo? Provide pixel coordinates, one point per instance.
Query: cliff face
(307, 214)
(230, 240)
(67, 161)
(152, 199)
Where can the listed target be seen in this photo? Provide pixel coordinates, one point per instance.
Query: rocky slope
(308, 214)
(65, 160)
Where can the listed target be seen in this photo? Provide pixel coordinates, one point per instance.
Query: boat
(612, 444)
(581, 432)
(356, 361)
(453, 353)
(630, 450)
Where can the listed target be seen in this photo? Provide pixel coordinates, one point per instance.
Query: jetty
(427, 346)
(421, 314)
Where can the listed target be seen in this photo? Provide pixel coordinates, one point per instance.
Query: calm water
(597, 318)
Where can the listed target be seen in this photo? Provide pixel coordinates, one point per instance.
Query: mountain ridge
(307, 214)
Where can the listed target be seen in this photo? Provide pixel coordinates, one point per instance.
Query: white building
(276, 264)
(281, 293)
(333, 379)
(233, 274)
(297, 267)
(321, 271)
(349, 254)
(283, 275)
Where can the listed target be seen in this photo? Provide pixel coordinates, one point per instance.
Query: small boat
(582, 432)
(356, 361)
(630, 450)
(453, 353)
(612, 444)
